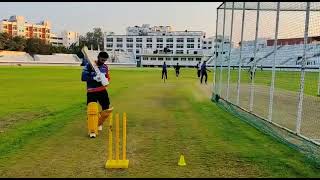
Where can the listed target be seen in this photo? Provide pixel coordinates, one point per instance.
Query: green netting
(308, 148)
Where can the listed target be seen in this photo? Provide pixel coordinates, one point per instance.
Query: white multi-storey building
(56, 40)
(66, 38)
(151, 46)
(70, 37)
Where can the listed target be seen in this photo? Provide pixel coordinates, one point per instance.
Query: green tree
(19, 43)
(36, 46)
(59, 49)
(75, 49)
(4, 40)
(94, 38)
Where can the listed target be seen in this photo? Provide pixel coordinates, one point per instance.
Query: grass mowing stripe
(15, 139)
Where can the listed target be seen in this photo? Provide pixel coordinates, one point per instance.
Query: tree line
(38, 46)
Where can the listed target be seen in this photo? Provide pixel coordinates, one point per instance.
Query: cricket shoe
(92, 135)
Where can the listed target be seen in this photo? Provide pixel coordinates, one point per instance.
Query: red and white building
(17, 26)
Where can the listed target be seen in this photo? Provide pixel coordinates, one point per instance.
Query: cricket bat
(100, 76)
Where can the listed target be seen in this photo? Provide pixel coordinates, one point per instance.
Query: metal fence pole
(254, 59)
(229, 59)
(274, 64)
(319, 82)
(214, 88)
(222, 48)
(240, 60)
(299, 115)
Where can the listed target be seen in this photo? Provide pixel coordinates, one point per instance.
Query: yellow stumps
(117, 162)
(110, 138)
(117, 137)
(124, 136)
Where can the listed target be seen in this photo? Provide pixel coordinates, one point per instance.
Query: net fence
(267, 68)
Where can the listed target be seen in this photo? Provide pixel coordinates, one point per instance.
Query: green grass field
(283, 79)
(43, 130)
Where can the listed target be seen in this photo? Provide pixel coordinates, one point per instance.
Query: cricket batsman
(96, 92)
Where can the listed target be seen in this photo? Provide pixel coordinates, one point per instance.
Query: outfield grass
(43, 129)
(286, 80)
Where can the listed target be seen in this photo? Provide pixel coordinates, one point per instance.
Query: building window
(179, 51)
(190, 59)
(109, 45)
(198, 59)
(175, 59)
(149, 45)
(198, 46)
(137, 51)
(119, 39)
(160, 58)
(209, 47)
(209, 42)
(130, 50)
(204, 47)
(129, 45)
(159, 40)
(129, 39)
(119, 45)
(4, 26)
(145, 58)
(180, 40)
(149, 39)
(169, 45)
(138, 45)
(168, 59)
(183, 59)
(139, 40)
(179, 46)
(204, 42)
(153, 58)
(109, 39)
(190, 45)
(169, 40)
(198, 39)
(159, 45)
(190, 39)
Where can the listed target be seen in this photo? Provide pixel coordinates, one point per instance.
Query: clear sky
(116, 16)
